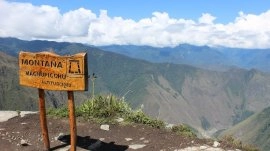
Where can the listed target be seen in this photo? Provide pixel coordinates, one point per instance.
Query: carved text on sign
(49, 71)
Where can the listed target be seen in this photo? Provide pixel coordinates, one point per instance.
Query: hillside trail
(24, 134)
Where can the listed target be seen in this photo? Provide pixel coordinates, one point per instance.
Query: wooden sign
(46, 70)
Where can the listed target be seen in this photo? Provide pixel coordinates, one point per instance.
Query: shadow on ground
(91, 144)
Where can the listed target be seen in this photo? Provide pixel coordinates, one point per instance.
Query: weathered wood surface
(46, 70)
(43, 119)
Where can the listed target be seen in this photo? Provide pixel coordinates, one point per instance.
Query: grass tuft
(230, 140)
(184, 130)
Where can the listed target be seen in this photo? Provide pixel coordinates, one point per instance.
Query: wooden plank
(72, 121)
(46, 70)
(43, 120)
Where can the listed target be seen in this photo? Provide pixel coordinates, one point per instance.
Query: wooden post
(72, 121)
(43, 120)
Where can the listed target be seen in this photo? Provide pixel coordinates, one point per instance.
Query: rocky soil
(24, 134)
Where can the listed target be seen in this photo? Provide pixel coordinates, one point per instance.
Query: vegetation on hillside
(254, 130)
(230, 140)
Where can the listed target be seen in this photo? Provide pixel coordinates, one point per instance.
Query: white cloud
(206, 18)
(26, 21)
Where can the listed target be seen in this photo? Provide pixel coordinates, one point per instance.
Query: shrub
(59, 112)
(139, 117)
(104, 107)
(184, 130)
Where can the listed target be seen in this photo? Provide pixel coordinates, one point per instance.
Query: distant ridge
(213, 58)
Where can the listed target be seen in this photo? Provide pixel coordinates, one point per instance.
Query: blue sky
(159, 23)
(225, 10)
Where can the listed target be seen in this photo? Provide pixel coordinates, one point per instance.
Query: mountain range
(213, 58)
(208, 100)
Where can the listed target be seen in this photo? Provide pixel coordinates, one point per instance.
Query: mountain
(213, 58)
(205, 99)
(254, 130)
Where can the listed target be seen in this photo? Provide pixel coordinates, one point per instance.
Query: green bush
(139, 117)
(59, 112)
(184, 130)
(104, 107)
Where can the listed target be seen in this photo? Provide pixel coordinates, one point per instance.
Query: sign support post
(43, 120)
(72, 121)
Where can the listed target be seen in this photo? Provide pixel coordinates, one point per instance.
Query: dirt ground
(89, 136)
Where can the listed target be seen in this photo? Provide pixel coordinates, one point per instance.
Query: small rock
(136, 146)
(24, 143)
(146, 141)
(61, 135)
(119, 120)
(23, 113)
(101, 139)
(203, 147)
(23, 123)
(142, 138)
(105, 127)
(216, 144)
(128, 139)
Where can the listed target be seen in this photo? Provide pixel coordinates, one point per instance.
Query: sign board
(46, 70)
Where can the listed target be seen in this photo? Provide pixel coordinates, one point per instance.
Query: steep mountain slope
(254, 130)
(214, 58)
(12, 96)
(207, 100)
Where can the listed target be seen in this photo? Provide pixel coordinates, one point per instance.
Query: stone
(24, 143)
(136, 146)
(61, 135)
(128, 139)
(146, 141)
(101, 139)
(23, 113)
(105, 127)
(216, 144)
(6, 115)
(203, 147)
(142, 138)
